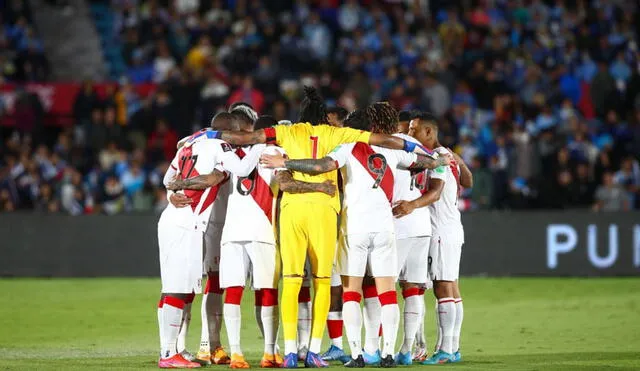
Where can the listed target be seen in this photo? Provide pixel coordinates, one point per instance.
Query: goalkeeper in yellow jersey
(308, 221)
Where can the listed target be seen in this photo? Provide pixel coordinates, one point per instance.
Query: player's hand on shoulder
(402, 208)
(179, 200)
(457, 158)
(444, 160)
(328, 187)
(272, 161)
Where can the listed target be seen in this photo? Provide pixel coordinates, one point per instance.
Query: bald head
(224, 121)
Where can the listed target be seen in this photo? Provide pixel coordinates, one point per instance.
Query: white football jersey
(445, 215)
(251, 203)
(200, 155)
(408, 187)
(369, 174)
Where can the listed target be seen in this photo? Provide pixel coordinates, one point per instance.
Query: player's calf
(233, 321)
(304, 321)
(211, 350)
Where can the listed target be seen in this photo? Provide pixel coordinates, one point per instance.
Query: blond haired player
(308, 222)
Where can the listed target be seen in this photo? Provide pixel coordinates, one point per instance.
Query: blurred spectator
(247, 93)
(610, 196)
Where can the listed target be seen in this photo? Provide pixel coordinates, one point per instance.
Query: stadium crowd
(540, 98)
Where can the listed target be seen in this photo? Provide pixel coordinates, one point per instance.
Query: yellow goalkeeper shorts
(307, 228)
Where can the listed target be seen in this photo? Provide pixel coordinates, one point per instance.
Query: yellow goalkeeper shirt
(304, 141)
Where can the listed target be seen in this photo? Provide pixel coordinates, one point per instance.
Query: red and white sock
(413, 308)
(304, 318)
(447, 317)
(352, 315)
(270, 318)
(458, 324)
(171, 320)
(184, 327)
(160, 305)
(233, 317)
(390, 317)
(371, 319)
(334, 328)
(211, 313)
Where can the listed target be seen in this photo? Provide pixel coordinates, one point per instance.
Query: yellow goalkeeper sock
(321, 303)
(289, 307)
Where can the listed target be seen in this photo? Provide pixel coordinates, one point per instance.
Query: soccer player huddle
(349, 204)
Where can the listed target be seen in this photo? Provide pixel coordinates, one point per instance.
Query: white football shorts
(376, 251)
(413, 257)
(444, 255)
(180, 259)
(241, 259)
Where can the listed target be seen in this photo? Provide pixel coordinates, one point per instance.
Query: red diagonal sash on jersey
(456, 173)
(187, 167)
(376, 166)
(262, 195)
(257, 188)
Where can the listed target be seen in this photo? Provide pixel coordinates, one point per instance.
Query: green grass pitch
(510, 324)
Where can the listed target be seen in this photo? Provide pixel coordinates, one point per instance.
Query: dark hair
(312, 108)
(265, 121)
(425, 118)
(339, 111)
(223, 121)
(383, 118)
(357, 120)
(404, 116)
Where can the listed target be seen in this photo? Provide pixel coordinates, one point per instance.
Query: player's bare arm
(424, 162)
(393, 142)
(288, 184)
(199, 182)
(466, 177)
(307, 166)
(242, 138)
(403, 208)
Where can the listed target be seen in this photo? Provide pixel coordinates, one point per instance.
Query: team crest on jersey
(439, 169)
(226, 147)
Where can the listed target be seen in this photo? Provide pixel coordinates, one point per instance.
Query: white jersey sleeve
(406, 159)
(239, 167)
(273, 150)
(341, 154)
(171, 172)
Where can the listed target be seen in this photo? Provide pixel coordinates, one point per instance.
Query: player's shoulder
(442, 150)
(322, 129)
(271, 149)
(407, 137)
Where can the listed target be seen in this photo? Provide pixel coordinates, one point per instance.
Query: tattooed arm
(244, 138)
(288, 184)
(311, 166)
(424, 162)
(307, 166)
(199, 182)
